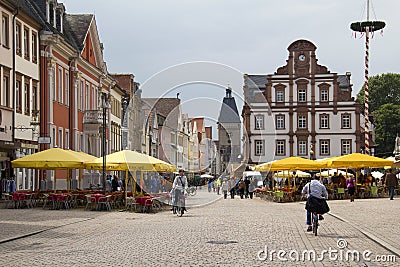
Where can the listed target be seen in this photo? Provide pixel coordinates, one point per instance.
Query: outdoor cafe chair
(90, 201)
(46, 200)
(73, 200)
(131, 203)
(104, 202)
(8, 199)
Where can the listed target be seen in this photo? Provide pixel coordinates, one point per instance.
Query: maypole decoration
(367, 27)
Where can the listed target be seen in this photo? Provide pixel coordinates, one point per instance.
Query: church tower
(229, 126)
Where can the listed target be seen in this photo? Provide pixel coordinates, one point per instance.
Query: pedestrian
(114, 183)
(390, 182)
(218, 185)
(246, 188)
(225, 187)
(232, 188)
(209, 185)
(242, 187)
(351, 187)
(252, 187)
(120, 184)
(178, 186)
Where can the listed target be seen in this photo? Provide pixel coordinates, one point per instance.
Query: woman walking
(350, 188)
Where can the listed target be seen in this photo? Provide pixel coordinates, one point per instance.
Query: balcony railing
(93, 117)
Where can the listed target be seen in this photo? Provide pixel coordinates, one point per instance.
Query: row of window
(88, 94)
(302, 147)
(26, 93)
(25, 39)
(116, 137)
(302, 121)
(23, 96)
(60, 140)
(301, 95)
(63, 87)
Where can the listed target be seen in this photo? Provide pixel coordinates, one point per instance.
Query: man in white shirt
(318, 190)
(179, 185)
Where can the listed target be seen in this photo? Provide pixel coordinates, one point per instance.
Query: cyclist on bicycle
(317, 190)
(178, 186)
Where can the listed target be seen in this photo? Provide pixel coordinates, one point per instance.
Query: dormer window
(51, 13)
(59, 17)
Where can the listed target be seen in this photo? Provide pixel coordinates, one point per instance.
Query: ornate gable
(92, 48)
(302, 61)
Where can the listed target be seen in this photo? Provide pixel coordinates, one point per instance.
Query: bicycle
(315, 224)
(191, 191)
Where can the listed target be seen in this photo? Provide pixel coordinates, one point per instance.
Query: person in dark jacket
(114, 184)
(390, 182)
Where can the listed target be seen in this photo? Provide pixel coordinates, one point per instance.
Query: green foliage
(387, 126)
(384, 103)
(383, 89)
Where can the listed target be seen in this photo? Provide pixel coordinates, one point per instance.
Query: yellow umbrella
(131, 160)
(358, 160)
(128, 159)
(291, 163)
(82, 155)
(50, 159)
(85, 158)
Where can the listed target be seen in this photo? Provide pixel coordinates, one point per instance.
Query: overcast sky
(147, 37)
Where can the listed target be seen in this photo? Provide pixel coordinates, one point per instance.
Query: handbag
(314, 204)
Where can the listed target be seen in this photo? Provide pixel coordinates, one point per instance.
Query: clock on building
(302, 57)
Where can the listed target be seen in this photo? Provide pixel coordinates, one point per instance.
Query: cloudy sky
(154, 39)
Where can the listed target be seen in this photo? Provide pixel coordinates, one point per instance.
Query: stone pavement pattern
(240, 228)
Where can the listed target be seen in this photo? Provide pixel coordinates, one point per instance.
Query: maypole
(367, 27)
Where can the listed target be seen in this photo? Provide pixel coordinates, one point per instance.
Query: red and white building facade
(301, 110)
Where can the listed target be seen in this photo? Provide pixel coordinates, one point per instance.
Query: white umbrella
(299, 174)
(206, 176)
(331, 172)
(377, 174)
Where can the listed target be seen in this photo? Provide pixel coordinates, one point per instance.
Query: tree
(384, 104)
(387, 126)
(383, 89)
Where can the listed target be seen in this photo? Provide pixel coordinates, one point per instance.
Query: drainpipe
(71, 82)
(13, 68)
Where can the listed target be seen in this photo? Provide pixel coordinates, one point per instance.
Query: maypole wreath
(361, 26)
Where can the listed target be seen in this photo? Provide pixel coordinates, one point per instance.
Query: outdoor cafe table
(145, 202)
(20, 198)
(57, 199)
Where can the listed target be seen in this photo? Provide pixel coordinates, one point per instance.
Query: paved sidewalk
(227, 233)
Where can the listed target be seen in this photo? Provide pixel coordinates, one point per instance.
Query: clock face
(302, 57)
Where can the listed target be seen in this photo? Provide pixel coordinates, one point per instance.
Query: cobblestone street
(225, 232)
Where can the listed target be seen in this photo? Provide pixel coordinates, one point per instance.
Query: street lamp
(104, 106)
(311, 151)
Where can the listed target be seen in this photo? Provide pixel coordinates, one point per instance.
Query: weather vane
(367, 27)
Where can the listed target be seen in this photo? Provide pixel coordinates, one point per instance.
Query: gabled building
(75, 84)
(302, 110)
(150, 134)
(132, 117)
(19, 90)
(169, 119)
